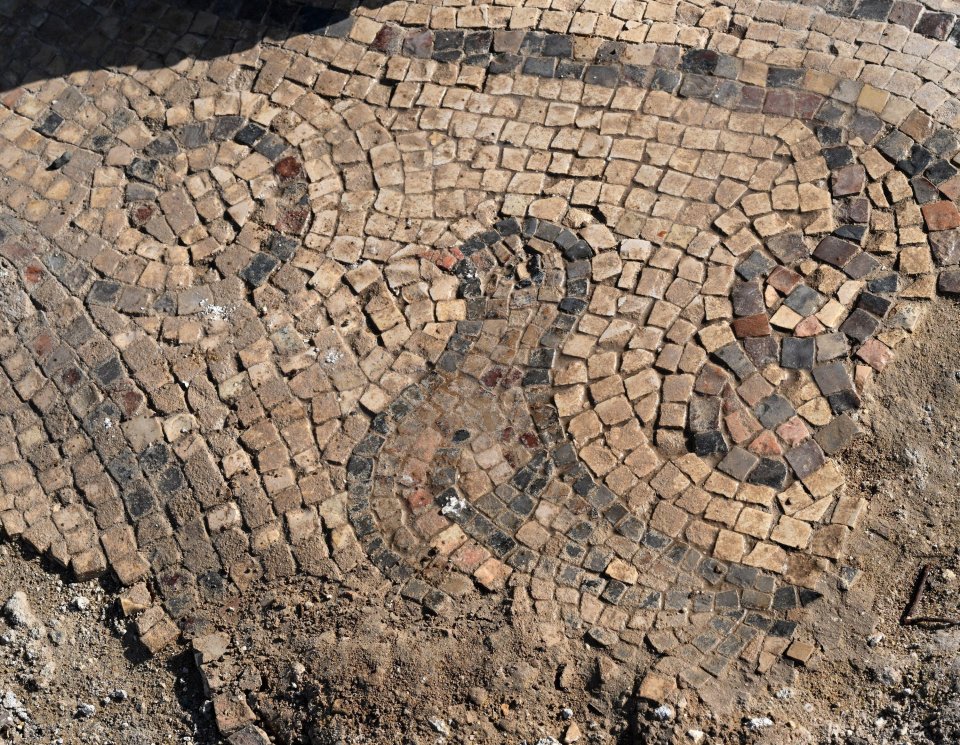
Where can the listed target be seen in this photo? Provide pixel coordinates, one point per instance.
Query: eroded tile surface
(576, 302)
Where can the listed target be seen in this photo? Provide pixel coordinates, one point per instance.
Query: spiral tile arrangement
(574, 301)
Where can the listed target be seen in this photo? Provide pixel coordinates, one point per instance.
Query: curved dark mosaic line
(494, 519)
(746, 601)
(699, 74)
(99, 389)
(336, 19)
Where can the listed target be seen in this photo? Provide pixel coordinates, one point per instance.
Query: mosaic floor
(576, 298)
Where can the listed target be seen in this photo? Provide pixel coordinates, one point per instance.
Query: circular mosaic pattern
(577, 304)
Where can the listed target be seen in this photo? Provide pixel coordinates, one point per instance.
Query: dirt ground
(890, 683)
(71, 673)
(347, 661)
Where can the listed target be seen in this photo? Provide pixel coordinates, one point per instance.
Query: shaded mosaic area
(573, 303)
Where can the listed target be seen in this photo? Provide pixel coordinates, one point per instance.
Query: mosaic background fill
(571, 299)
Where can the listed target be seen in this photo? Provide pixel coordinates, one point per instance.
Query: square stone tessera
(479, 371)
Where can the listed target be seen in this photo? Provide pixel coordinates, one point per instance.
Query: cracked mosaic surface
(576, 301)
